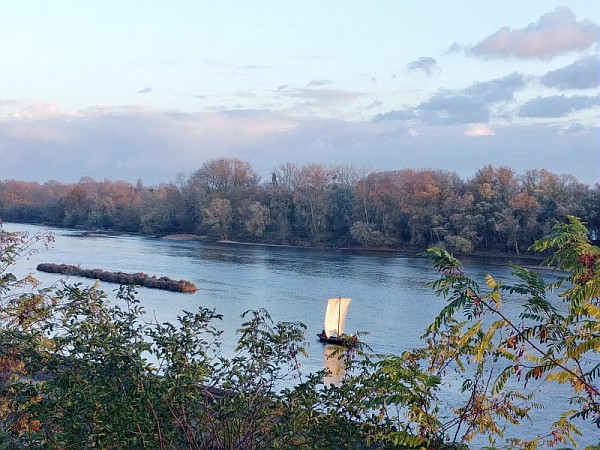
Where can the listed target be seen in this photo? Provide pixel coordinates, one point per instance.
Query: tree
(281, 214)
(225, 176)
(22, 311)
(256, 218)
(591, 211)
(381, 205)
(155, 222)
(310, 198)
(286, 175)
(218, 216)
(365, 235)
(341, 201)
(541, 342)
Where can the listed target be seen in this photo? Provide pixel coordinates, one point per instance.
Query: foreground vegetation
(495, 211)
(77, 371)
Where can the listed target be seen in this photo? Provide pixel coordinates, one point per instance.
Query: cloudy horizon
(150, 90)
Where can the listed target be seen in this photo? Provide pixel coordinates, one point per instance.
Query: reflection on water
(334, 364)
(391, 299)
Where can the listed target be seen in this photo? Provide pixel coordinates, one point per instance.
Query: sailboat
(335, 318)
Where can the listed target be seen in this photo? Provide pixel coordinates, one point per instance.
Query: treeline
(495, 210)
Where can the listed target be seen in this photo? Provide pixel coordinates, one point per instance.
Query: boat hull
(345, 340)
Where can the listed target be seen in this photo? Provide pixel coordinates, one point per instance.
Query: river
(390, 298)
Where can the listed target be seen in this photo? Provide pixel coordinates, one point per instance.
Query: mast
(339, 314)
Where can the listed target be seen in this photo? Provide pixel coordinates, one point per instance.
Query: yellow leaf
(489, 280)
(470, 333)
(591, 310)
(560, 376)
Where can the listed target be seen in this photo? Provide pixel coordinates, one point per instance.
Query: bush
(365, 235)
(458, 244)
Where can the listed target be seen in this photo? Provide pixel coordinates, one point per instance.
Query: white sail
(335, 317)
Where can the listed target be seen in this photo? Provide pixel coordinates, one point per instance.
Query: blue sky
(152, 89)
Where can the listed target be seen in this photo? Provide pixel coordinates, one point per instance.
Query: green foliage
(458, 244)
(80, 371)
(365, 235)
(217, 216)
(538, 343)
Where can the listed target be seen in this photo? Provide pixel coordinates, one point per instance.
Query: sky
(150, 90)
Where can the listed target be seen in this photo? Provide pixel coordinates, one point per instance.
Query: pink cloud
(479, 129)
(19, 109)
(553, 34)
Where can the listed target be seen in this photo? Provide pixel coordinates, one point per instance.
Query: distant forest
(497, 210)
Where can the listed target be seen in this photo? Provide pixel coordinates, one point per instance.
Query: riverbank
(182, 237)
(504, 256)
(535, 258)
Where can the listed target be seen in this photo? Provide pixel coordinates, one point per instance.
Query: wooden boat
(335, 319)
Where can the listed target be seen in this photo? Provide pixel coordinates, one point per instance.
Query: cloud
(146, 90)
(496, 90)
(374, 104)
(555, 33)
(575, 128)
(130, 143)
(127, 143)
(400, 115)
(427, 65)
(9, 102)
(245, 94)
(317, 101)
(556, 106)
(471, 105)
(479, 129)
(582, 74)
(252, 67)
(51, 131)
(456, 48)
(318, 83)
(16, 109)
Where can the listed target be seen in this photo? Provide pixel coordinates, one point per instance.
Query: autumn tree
(366, 236)
(230, 179)
(217, 216)
(591, 211)
(75, 207)
(256, 218)
(310, 198)
(225, 177)
(380, 203)
(341, 207)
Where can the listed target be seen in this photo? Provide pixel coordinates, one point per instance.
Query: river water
(390, 298)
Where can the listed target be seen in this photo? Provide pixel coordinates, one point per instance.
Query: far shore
(476, 254)
(536, 258)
